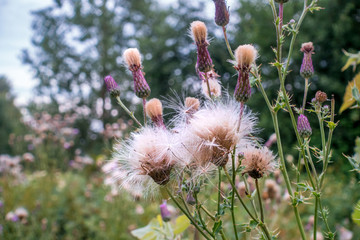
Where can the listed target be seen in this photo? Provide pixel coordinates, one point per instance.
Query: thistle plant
(212, 143)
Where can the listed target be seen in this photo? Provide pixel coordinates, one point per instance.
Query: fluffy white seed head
(154, 108)
(258, 161)
(198, 31)
(215, 88)
(245, 55)
(132, 57)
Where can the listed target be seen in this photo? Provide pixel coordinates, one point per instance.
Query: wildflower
(245, 56)
(199, 34)
(11, 217)
(155, 112)
(112, 86)
(258, 161)
(133, 60)
(303, 126)
(320, 96)
(307, 69)
(221, 13)
(165, 213)
(21, 213)
(144, 159)
(215, 127)
(28, 157)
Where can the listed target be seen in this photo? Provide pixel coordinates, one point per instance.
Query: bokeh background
(58, 123)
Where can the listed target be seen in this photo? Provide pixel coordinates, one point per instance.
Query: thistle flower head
(154, 111)
(221, 13)
(258, 161)
(112, 86)
(164, 211)
(245, 55)
(22, 213)
(192, 104)
(272, 189)
(320, 96)
(145, 160)
(303, 126)
(132, 58)
(307, 68)
(199, 32)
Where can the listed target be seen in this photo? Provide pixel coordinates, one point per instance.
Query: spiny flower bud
(112, 86)
(190, 198)
(155, 112)
(221, 13)
(303, 126)
(245, 55)
(320, 96)
(164, 211)
(199, 35)
(307, 68)
(281, 1)
(133, 60)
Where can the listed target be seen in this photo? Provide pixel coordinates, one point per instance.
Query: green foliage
(356, 214)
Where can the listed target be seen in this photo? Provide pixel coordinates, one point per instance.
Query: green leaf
(148, 232)
(356, 214)
(217, 227)
(181, 224)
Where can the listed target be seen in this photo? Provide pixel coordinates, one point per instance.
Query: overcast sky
(15, 35)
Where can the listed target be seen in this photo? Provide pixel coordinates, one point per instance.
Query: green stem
(305, 94)
(233, 194)
(207, 212)
(219, 193)
(322, 133)
(127, 111)
(315, 218)
(186, 213)
(260, 200)
(311, 161)
(227, 43)
(198, 206)
(144, 110)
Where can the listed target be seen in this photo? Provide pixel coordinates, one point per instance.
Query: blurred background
(58, 123)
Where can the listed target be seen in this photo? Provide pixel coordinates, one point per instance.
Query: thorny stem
(127, 111)
(186, 213)
(219, 193)
(207, 212)
(233, 193)
(227, 43)
(322, 133)
(208, 85)
(240, 116)
(305, 94)
(307, 168)
(144, 109)
(247, 188)
(311, 161)
(198, 206)
(260, 201)
(281, 13)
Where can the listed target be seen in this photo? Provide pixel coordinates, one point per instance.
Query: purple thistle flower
(303, 126)
(141, 87)
(165, 213)
(112, 86)
(243, 89)
(221, 13)
(307, 68)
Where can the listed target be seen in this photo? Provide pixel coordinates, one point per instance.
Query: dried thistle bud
(154, 111)
(112, 86)
(303, 126)
(164, 211)
(192, 105)
(199, 34)
(307, 68)
(245, 55)
(190, 198)
(320, 96)
(132, 58)
(258, 161)
(221, 13)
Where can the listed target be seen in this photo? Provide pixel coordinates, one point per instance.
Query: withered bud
(199, 32)
(245, 55)
(320, 96)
